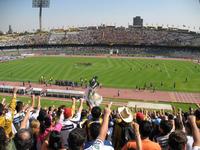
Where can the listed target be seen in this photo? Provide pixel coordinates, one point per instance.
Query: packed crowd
(25, 39)
(9, 58)
(108, 35)
(24, 127)
(127, 36)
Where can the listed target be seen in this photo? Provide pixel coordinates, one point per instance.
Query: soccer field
(167, 75)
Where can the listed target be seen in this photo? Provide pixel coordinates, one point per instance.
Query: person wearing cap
(123, 131)
(70, 121)
(139, 117)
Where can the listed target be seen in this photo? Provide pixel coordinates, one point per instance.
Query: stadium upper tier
(107, 35)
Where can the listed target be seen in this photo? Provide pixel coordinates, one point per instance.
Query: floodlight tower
(40, 4)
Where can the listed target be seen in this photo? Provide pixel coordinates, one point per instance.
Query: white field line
(167, 71)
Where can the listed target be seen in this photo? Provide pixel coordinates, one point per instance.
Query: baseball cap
(139, 116)
(67, 112)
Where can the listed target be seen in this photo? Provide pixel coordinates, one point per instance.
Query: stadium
(149, 74)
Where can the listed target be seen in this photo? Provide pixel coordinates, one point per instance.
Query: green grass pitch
(170, 75)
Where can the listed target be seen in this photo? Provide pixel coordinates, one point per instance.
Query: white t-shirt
(33, 116)
(67, 126)
(99, 145)
(190, 141)
(196, 148)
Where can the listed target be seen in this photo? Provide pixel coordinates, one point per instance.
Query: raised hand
(82, 100)
(107, 109)
(3, 101)
(15, 89)
(192, 119)
(73, 99)
(135, 127)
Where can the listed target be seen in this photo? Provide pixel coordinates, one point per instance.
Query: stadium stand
(26, 127)
(107, 35)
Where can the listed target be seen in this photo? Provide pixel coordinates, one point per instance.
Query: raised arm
(26, 118)
(104, 127)
(138, 140)
(81, 105)
(73, 106)
(195, 130)
(137, 136)
(13, 101)
(39, 104)
(181, 118)
(33, 100)
(135, 108)
(3, 102)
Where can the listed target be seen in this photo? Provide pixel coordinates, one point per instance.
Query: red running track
(145, 95)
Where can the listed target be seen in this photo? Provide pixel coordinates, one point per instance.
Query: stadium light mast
(40, 4)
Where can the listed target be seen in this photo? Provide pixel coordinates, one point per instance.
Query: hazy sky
(65, 13)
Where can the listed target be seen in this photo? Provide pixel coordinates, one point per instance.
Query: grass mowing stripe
(167, 71)
(10, 69)
(112, 72)
(22, 70)
(60, 74)
(46, 71)
(29, 71)
(39, 72)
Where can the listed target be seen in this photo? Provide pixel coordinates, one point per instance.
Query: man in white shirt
(70, 120)
(178, 139)
(76, 140)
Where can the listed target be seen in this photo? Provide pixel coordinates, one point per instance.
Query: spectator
(83, 121)
(139, 117)
(3, 139)
(99, 141)
(70, 121)
(23, 139)
(46, 126)
(35, 128)
(165, 129)
(6, 116)
(94, 131)
(95, 117)
(145, 129)
(19, 116)
(95, 113)
(177, 140)
(195, 132)
(76, 139)
(53, 129)
(55, 142)
(190, 139)
(123, 132)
